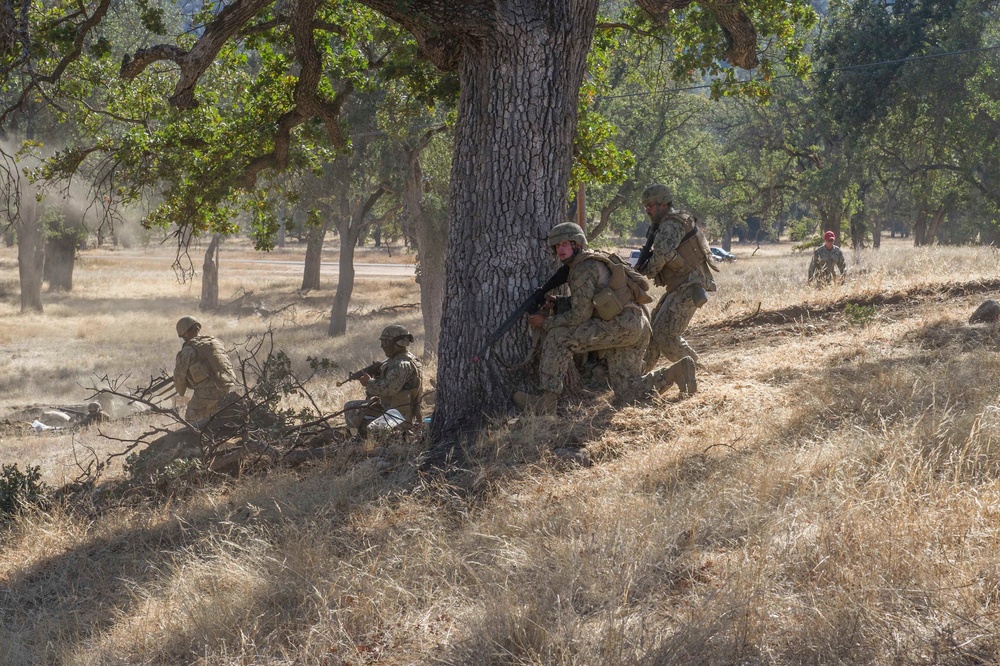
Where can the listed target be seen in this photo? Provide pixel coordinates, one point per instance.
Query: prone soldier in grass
(396, 382)
(605, 313)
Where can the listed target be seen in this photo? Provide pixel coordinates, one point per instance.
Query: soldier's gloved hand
(364, 379)
(536, 320)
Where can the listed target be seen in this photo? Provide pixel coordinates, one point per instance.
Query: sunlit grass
(830, 495)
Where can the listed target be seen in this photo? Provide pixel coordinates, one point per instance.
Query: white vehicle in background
(633, 257)
(721, 255)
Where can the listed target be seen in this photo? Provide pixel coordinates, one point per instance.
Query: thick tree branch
(193, 63)
(78, 42)
(741, 36)
(440, 28)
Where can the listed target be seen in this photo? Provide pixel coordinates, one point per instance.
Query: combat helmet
(566, 231)
(658, 193)
(396, 334)
(93, 407)
(184, 323)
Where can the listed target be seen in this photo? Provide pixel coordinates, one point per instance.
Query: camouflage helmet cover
(397, 334)
(657, 193)
(93, 407)
(566, 231)
(184, 323)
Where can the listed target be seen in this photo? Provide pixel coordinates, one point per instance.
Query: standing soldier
(826, 259)
(395, 382)
(201, 365)
(604, 314)
(680, 260)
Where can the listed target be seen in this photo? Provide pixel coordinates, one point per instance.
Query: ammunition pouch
(608, 304)
(197, 374)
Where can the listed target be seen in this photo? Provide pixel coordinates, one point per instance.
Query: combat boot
(536, 404)
(681, 373)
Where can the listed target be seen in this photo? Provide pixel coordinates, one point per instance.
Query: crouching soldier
(605, 313)
(680, 260)
(202, 365)
(395, 382)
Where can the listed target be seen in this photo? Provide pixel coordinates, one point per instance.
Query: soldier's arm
(391, 380)
(665, 243)
(812, 265)
(181, 365)
(582, 286)
(841, 263)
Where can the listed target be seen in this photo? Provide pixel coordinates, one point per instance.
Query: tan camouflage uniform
(825, 262)
(580, 330)
(673, 313)
(202, 365)
(397, 385)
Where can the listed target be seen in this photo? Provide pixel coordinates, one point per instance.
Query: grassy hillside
(831, 495)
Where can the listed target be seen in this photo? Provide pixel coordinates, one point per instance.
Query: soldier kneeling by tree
(395, 382)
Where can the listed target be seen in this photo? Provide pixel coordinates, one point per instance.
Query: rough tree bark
(30, 254)
(60, 258)
(350, 226)
(210, 277)
(315, 238)
(934, 229)
(508, 188)
(430, 233)
(920, 228)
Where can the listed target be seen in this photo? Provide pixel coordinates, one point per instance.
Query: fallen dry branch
(388, 309)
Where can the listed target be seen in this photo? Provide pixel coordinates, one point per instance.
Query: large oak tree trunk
(210, 277)
(937, 221)
(430, 233)
(920, 228)
(30, 254)
(508, 188)
(314, 255)
(60, 259)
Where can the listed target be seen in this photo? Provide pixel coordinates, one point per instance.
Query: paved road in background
(360, 270)
(328, 268)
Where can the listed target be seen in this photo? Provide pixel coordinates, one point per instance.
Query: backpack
(625, 285)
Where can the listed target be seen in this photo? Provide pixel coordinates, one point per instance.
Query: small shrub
(20, 490)
(859, 315)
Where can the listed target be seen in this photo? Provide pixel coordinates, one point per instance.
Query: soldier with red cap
(826, 260)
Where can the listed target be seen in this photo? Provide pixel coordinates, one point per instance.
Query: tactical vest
(624, 286)
(694, 252)
(213, 367)
(407, 401)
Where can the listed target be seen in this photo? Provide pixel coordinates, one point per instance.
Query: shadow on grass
(65, 603)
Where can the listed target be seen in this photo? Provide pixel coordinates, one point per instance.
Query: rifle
(647, 250)
(356, 375)
(530, 306)
(160, 389)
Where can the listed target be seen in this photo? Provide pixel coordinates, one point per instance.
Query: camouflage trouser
(358, 414)
(624, 338)
(670, 318)
(204, 403)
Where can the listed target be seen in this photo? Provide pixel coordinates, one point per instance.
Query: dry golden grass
(830, 496)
